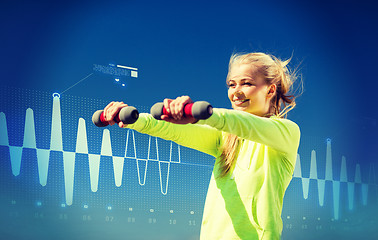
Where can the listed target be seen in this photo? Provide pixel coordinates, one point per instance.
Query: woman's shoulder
(292, 126)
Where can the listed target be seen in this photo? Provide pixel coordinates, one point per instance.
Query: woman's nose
(238, 92)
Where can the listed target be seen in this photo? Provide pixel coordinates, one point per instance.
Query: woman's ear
(271, 90)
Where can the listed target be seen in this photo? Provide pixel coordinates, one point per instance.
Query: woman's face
(248, 91)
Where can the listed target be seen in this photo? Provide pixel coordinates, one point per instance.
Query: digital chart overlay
(130, 154)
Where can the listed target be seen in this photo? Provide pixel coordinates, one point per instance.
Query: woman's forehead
(243, 71)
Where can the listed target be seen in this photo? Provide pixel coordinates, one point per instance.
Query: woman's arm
(201, 138)
(280, 134)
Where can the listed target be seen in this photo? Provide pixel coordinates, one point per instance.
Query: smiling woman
(255, 149)
(259, 84)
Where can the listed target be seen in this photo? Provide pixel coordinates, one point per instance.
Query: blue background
(183, 47)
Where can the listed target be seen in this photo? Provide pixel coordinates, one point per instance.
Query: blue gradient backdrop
(182, 48)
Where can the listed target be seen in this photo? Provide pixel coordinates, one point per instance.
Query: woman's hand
(111, 110)
(176, 109)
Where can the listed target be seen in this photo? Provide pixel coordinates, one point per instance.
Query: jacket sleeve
(281, 134)
(199, 137)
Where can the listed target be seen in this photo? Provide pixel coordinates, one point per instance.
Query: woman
(254, 147)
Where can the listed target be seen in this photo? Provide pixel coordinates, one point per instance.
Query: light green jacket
(247, 202)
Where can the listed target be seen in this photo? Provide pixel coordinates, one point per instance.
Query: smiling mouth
(240, 102)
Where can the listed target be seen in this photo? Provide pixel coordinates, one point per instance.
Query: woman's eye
(231, 84)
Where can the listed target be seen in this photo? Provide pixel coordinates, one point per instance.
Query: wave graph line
(321, 183)
(69, 158)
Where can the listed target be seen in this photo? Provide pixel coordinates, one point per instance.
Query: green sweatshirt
(247, 202)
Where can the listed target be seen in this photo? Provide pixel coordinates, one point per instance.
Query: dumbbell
(199, 110)
(127, 115)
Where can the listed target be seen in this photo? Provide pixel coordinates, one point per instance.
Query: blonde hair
(275, 72)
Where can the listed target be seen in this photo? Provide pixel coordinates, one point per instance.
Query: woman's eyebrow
(241, 80)
(248, 79)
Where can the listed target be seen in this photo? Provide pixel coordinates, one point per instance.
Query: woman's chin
(239, 108)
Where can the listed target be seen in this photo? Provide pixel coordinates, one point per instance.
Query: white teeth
(240, 101)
